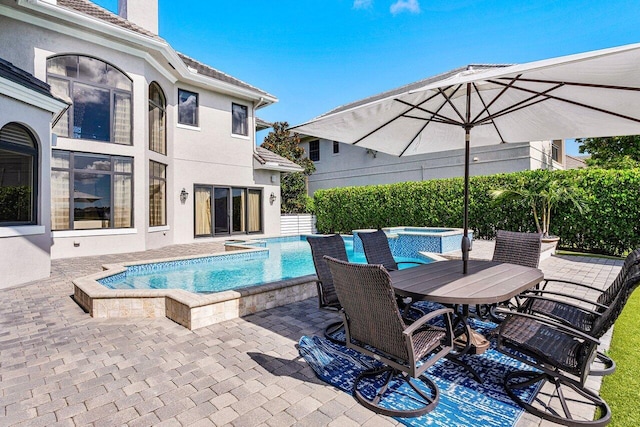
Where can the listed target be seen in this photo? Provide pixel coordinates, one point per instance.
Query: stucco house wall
(26, 248)
(207, 154)
(354, 166)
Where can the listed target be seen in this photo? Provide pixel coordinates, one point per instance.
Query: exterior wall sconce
(272, 198)
(373, 153)
(183, 196)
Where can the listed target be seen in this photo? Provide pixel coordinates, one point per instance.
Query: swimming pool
(281, 259)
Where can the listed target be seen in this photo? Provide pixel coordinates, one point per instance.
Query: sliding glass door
(223, 211)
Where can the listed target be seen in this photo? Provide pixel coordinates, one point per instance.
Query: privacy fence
(609, 225)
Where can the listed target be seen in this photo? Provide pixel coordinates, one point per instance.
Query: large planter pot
(551, 240)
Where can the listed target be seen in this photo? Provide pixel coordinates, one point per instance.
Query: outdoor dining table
(486, 282)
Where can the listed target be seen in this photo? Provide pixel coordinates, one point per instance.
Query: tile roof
(263, 156)
(88, 8)
(23, 78)
(414, 85)
(262, 124)
(216, 74)
(92, 9)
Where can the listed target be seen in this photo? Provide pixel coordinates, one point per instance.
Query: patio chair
(374, 327)
(333, 246)
(579, 312)
(377, 250)
(514, 248)
(562, 354)
(562, 357)
(518, 248)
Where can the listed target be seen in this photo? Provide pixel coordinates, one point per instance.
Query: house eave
(30, 97)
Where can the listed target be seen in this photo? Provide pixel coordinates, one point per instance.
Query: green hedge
(609, 225)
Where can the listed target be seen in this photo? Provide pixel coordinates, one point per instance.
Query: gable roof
(272, 161)
(91, 9)
(414, 85)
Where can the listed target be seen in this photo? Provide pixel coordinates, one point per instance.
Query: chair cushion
(426, 340)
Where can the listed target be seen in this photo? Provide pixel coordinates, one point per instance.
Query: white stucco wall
(26, 249)
(356, 166)
(209, 154)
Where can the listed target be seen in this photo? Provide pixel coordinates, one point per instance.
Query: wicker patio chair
(374, 327)
(518, 248)
(514, 248)
(377, 251)
(578, 312)
(562, 354)
(333, 246)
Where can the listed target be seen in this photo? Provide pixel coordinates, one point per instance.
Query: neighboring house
(576, 162)
(156, 148)
(339, 165)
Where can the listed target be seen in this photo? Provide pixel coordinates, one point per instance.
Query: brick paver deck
(60, 367)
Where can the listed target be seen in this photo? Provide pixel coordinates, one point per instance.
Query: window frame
(246, 120)
(34, 153)
(152, 179)
(314, 151)
(197, 112)
(113, 90)
(112, 173)
(336, 148)
(163, 110)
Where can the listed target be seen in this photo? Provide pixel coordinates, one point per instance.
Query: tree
(541, 194)
(293, 185)
(617, 152)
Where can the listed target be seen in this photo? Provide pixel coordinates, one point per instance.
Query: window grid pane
(239, 120)
(187, 108)
(157, 194)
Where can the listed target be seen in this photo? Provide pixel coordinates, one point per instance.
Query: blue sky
(315, 55)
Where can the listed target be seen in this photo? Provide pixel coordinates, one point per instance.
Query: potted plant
(541, 194)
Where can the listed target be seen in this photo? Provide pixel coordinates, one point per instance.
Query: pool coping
(189, 309)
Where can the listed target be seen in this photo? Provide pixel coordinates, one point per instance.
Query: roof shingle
(23, 78)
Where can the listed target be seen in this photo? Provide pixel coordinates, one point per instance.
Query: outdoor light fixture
(272, 198)
(183, 196)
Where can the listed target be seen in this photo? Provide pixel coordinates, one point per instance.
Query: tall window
(157, 194)
(91, 191)
(157, 119)
(336, 147)
(225, 210)
(314, 150)
(239, 120)
(18, 179)
(187, 107)
(101, 98)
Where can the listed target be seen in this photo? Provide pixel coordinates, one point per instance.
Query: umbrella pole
(466, 243)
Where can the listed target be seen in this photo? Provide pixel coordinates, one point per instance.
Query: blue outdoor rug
(463, 401)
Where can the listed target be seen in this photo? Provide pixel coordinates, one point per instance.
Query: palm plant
(541, 194)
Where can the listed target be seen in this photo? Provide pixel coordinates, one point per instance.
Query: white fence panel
(297, 224)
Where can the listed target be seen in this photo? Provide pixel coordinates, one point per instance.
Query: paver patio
(59, 366)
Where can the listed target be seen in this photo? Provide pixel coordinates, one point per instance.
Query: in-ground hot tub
(411, 240)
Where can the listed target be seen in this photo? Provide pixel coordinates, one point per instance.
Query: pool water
(285, 260)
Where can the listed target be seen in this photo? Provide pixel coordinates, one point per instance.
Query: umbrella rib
(486, 108)
(521, 104)
(394, 119)
(591, 85)
(448, 100)
(430, 120)
(569, 101)
(498, 96)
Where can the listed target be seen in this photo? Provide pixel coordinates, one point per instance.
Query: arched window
(157, 119)
(101, 98)
(18, 175)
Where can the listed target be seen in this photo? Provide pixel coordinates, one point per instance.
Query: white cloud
(362, 4)
(405, 6)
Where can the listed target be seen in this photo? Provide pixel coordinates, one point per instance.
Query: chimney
(143, 13)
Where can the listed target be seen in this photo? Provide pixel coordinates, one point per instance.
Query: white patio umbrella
(591, 94)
